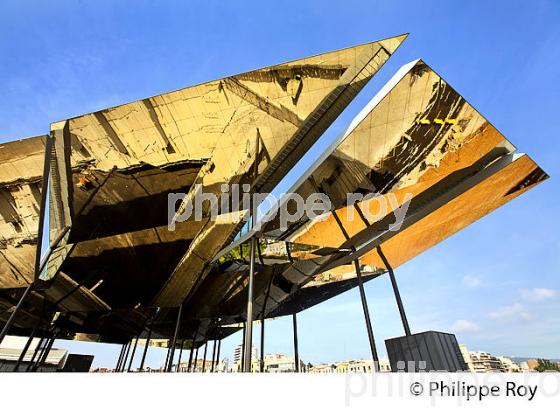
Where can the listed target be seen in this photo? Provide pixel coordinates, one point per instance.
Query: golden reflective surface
(418, 147)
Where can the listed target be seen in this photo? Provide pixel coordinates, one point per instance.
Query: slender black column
(218, 355)
(190, 357)
(45, 354)
(261, 365)
(395, 291)
(145, 349)
(263, 315)
(366, 315)
(26, 348)
(195, 360)
(204, 359)
(193, 343)
(249, 327)
(37, 349)
(296, 350)
(361, 286)
(180, 355)
(177, 327)
(165, 364)
(248, 345)
(119, 360)
(133, 353)
(242, 369)
(33, 366)
(213, 356)
(123, 363)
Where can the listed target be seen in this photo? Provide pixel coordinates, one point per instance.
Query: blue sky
(495, 284)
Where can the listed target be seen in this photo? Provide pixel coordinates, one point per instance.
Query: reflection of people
(84, 183)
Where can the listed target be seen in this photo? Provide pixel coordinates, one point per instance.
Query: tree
(545, 365)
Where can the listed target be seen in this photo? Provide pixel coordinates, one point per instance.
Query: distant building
(509, 365)
(361, 366)
(58, 360)
(238, 354)
(279, 363)
(219, 366)
(322, 368)
(483, 362)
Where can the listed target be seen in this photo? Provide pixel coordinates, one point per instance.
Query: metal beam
(395, 291)
(365, 308)
(119, 360)
(243, 350)
(180, 355)
(166, 363)
(204, 358)
(213, 356)
(146, 349)
(123, 364)
(43, 357)
(26, 347)
(263, 315)
(193, 342)
(133, 353)
(44, 198)
(190, 357)
(366, 315)
(37, 349)
(177, 327)
(296, 349)
(195, 360)
(218, 354)
(249, 328)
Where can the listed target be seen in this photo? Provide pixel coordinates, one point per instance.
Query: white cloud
(471, 281)
(510, 312)
(538, 294)
(464, 326)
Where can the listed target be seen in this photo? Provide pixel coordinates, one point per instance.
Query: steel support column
(190, 357)
(133, 353)
(177, 327)
(193, 343)
(33, 365)
(296, 349)
(261, 364)
(146, 349)
(395, 291)
(213, 356)
(26, 348)
(218, 354)
(263, 315)
(243, 350)
(119, 360)
(374, 355)
(123, 363)
(180, 355)
(43, 357)
(249, 327)
(37, 349)
(366, 315)
(165, 364)
(204, 358)
(195, 360)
